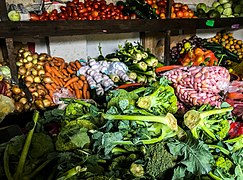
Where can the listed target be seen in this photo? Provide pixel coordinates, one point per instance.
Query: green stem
(158, 119)
(19, 172)
(6, 164)
(38, 169)
(210, 133)
(234, 140)
(214, 111)
(139, 90)
(214, 176)
(72, 172)
(221, 58)
(223, 150)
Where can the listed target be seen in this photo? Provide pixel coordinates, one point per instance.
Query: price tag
(210, 23)
(235, 26)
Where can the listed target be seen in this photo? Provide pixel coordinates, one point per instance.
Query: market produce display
(101, 10)
(229, 42)
(44, 79)
(182, 121)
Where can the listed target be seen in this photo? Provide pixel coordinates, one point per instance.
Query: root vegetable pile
(60, 75)
(197, 85)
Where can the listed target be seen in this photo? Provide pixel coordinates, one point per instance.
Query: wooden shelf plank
(62, 28)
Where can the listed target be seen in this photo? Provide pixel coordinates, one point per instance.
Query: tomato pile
(178, 10)
(87, 10)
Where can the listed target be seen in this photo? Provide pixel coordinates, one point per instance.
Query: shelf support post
(10, 59)
(3, 11)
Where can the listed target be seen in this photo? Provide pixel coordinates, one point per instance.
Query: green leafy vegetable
(161, 100)
(195, 155)
(210, 123)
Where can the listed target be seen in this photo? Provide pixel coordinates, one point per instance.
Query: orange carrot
(77, 92)
(51, 92)
(85, 89)
(70, 81)
(59, 81)
(82, 77)
(64, 71)
(78, 64)
(69, 69)
(66, 79)
(58, 59)
(56, 72)
(62, 82)
(54, 79)
(73, 65)
(81, 94)
(49, 87)
(47, 67)
(55, 86)
(80, 84)
(166, 68)
(62, 66)
(48, 74)
(57, 64)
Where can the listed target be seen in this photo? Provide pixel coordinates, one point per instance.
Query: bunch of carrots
(63, 75)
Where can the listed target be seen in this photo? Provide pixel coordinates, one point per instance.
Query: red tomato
(94, 14)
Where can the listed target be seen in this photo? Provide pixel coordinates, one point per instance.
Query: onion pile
(31, 70)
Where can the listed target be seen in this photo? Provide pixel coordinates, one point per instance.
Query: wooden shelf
(63, 28)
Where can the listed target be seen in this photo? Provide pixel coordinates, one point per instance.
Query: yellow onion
(28, 65)
(23, 100)
(37, 79)
(29, 79)
(16, 90)
(39, 104)
(32, 88)
(47, 80)
(41, 72)
(22, 70)
(46, 103)
(34, 72)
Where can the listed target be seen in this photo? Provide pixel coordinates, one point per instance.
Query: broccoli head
(224, 163)
(158, 160)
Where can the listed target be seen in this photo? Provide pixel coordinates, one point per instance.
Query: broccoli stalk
(197, 121)
(238, 143)
(72, 172)
(166, 126)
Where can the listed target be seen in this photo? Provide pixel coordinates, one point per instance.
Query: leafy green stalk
(72, 172)
(223, 150)
(237, 143)
(168, 120)
(161, 100)
(24, 153)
